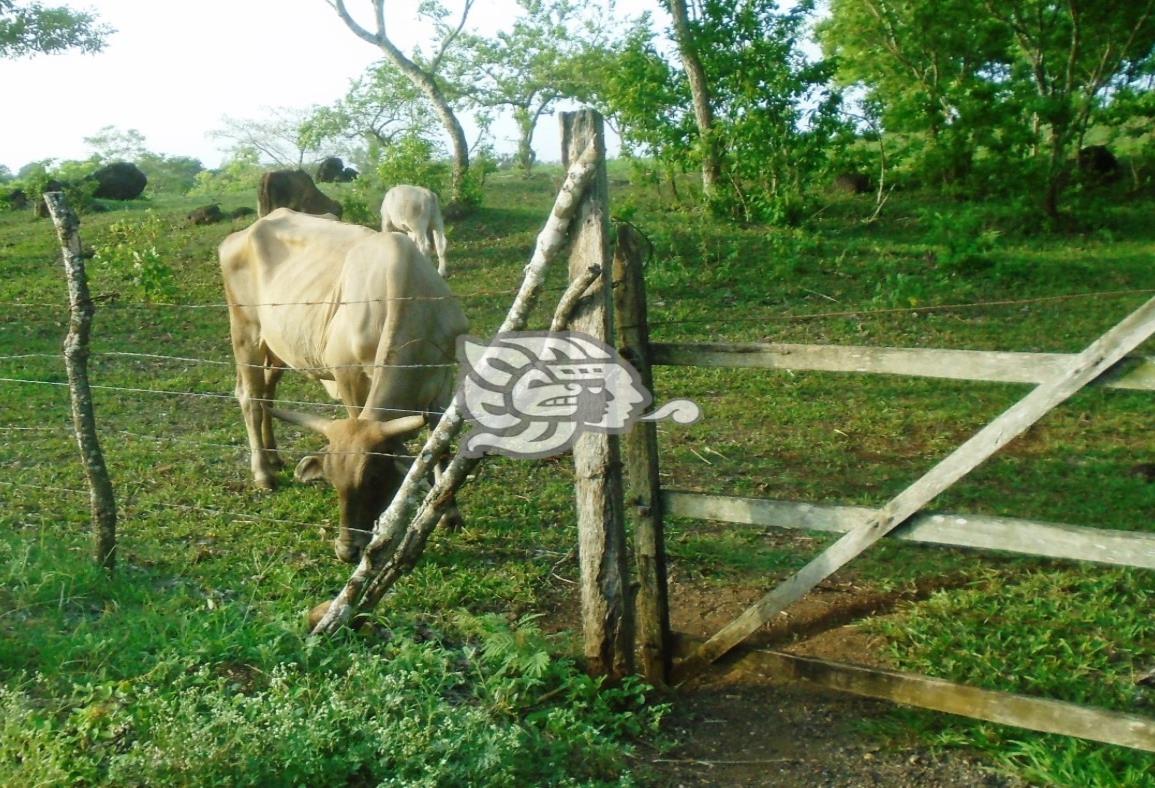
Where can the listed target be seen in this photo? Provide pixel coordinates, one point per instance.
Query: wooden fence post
(76, 360)
(641, 455)
(607, 610)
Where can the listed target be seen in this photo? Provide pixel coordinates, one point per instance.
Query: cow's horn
(307, 420)
(395, 428)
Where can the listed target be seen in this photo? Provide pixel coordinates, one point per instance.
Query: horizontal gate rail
(1078, 371)
(1023, 711)
(1133, 372)
(1049, 540)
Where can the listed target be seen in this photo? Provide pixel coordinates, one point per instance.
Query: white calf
(414, 210)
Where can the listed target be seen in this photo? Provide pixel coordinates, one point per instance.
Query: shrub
(134, 253)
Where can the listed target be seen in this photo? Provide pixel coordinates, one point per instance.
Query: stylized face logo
(531, 394)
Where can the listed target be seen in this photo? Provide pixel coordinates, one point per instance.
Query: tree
(1070, 53)
(687, 41)
(772, 110)
(925, 66)
(424, 78)
(113, 144)
(380, 108)
(965, 73)
(531, 65)
(32, 28)
(282, 138)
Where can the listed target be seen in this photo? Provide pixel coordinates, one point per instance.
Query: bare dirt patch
(741, 724)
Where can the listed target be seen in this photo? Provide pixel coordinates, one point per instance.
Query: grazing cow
(293, 189)
(415, 211)
(367, 315)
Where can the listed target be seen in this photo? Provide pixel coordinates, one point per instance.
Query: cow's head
(361, 463)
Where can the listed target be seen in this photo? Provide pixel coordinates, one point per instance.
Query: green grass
(191, 663)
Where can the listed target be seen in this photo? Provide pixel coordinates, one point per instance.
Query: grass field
(191, 664)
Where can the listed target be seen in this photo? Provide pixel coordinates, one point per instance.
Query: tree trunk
(700, 92)
(427, 84)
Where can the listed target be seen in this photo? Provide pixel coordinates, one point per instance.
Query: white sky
(173, 69)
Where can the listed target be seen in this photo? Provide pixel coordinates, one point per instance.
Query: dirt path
(740, 724)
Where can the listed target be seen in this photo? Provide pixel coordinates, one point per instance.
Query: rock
(206, 214)
(120, 180)
(852, 183)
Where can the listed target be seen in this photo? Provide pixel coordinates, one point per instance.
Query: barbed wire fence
(228, 398)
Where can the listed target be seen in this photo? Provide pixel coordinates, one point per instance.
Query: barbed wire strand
(905, 310)
(236, 447)
(181, 506)
(106, 301)
(213, 395)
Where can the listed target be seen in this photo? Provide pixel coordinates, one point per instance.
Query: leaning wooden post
(76, 360)
(607, 612)
(641, 455)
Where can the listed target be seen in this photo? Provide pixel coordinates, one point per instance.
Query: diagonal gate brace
(1081, 370)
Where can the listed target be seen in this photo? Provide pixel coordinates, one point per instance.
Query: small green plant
(133, 253)
(963, 245)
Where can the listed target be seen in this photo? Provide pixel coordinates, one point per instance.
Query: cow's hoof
(266, 482)
(317, 613)
(452, 522)
(348, 553)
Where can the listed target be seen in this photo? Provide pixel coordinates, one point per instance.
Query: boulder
(852, 183)
(206, 214)
(120, 180)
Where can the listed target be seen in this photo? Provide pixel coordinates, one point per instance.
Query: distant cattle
(1098, 162)
(367, 315)
(293, 189)
(414, 210)
(333, 170)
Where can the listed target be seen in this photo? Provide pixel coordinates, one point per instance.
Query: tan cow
(367, 315)
(414, 210)
(293, 189)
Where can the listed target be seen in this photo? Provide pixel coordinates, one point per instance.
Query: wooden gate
(1058, 377)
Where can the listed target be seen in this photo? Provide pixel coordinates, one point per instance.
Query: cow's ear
(310, 468)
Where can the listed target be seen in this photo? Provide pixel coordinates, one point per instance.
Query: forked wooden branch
(1100, 356)
(394, 547)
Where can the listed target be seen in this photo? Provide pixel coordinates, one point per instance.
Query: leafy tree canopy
(32, 28)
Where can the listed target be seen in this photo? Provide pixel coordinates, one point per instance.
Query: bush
(134, 254)
(496, 709)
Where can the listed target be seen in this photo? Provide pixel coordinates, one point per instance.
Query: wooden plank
(1136, 373)
(607, 612)
(640, 446)
(1028, 537)
(1022, 711)
(1099, 356)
